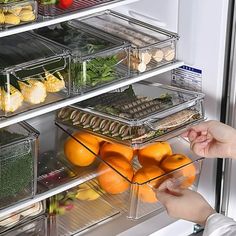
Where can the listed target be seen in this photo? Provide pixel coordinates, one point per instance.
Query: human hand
(212, 139)
(184, 203)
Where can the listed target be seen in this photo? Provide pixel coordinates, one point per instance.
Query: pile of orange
(115, 171)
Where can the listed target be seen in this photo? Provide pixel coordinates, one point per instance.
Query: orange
(88, 136)
(145, 192)
(154, 153)
(109, 179)
(79, 155)
(176, 161)
(114, 149)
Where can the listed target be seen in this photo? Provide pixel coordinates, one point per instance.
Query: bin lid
(27, 50)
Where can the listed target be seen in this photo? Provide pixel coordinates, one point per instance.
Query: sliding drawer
(128, 179)
(33, 73)
(151, 46)
(97, 58)
(137, 114)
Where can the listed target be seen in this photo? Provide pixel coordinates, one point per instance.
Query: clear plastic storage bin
(151, 46)
(137, 114)
(79, 209)
(21, 216)
(15, 13)
(52, 8)
(125, 178)
(96, 58)
(33, 73)
(37, 226)
(18, 160)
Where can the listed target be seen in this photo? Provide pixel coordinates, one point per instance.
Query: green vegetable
(16, 169)
(96, 71)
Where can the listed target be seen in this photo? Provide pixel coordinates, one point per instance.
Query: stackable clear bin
(15, 13)
(37, 226)
(151, 46)
(18, 160)
(21, 216)
(97, 58)
(33, 73)
(79, 209)
(136, 115)
(53, 8)
(115, 178)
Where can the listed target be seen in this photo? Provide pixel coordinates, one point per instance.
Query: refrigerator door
(228, 189)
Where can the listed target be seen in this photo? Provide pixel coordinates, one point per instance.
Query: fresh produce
(17, 14)
(154, 153)
(114, 149)
(10, 102)
(64, 4)
(81, 43)
(53, 83)
(17, 171)
(145, 191)
(111, 181)
(77, 153)
(186, 175)
(33, 91)
(86, 193)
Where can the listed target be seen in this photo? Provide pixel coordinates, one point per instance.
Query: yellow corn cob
(33, 91)
(52, 83)
(10, 102)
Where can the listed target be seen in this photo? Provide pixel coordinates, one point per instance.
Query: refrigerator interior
(202, 46)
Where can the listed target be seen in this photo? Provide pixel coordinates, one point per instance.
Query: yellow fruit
(52, 83)
(85, 193)
(2, 18)
(15, 10)
(27, 15)
(11, 19)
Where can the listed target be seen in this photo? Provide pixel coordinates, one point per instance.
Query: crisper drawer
(79, 209)
(15, 13)
(128, 179)
(97, 58)
(21, 216)
(151, 46)
(18, 159)
(37, 226)
(33, 73)
(137, 114)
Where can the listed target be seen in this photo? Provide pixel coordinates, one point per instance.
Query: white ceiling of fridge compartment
(161, 13)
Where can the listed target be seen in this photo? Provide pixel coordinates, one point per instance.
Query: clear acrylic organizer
(37, 226)
(151, 46)
(53, 8)
(97, 59)
(33, 73)
(131, 186)
(137, 114)
(21, 216)
(14, 13)
(18, 160)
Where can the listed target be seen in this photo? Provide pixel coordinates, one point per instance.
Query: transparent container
(96, 58)
(21, 216)
(18, 160)
(151, 46)
(52, 8)
(137, 114)
(79, 209)
(33, 73)
(15, 13)
(37, 226)
(124, 183)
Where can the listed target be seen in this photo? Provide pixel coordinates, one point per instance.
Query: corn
(52, 83)
(10, 102)
(33, 91)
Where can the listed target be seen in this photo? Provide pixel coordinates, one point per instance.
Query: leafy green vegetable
(16, 169)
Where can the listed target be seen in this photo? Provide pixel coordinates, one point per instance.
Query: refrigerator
(206, 63)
